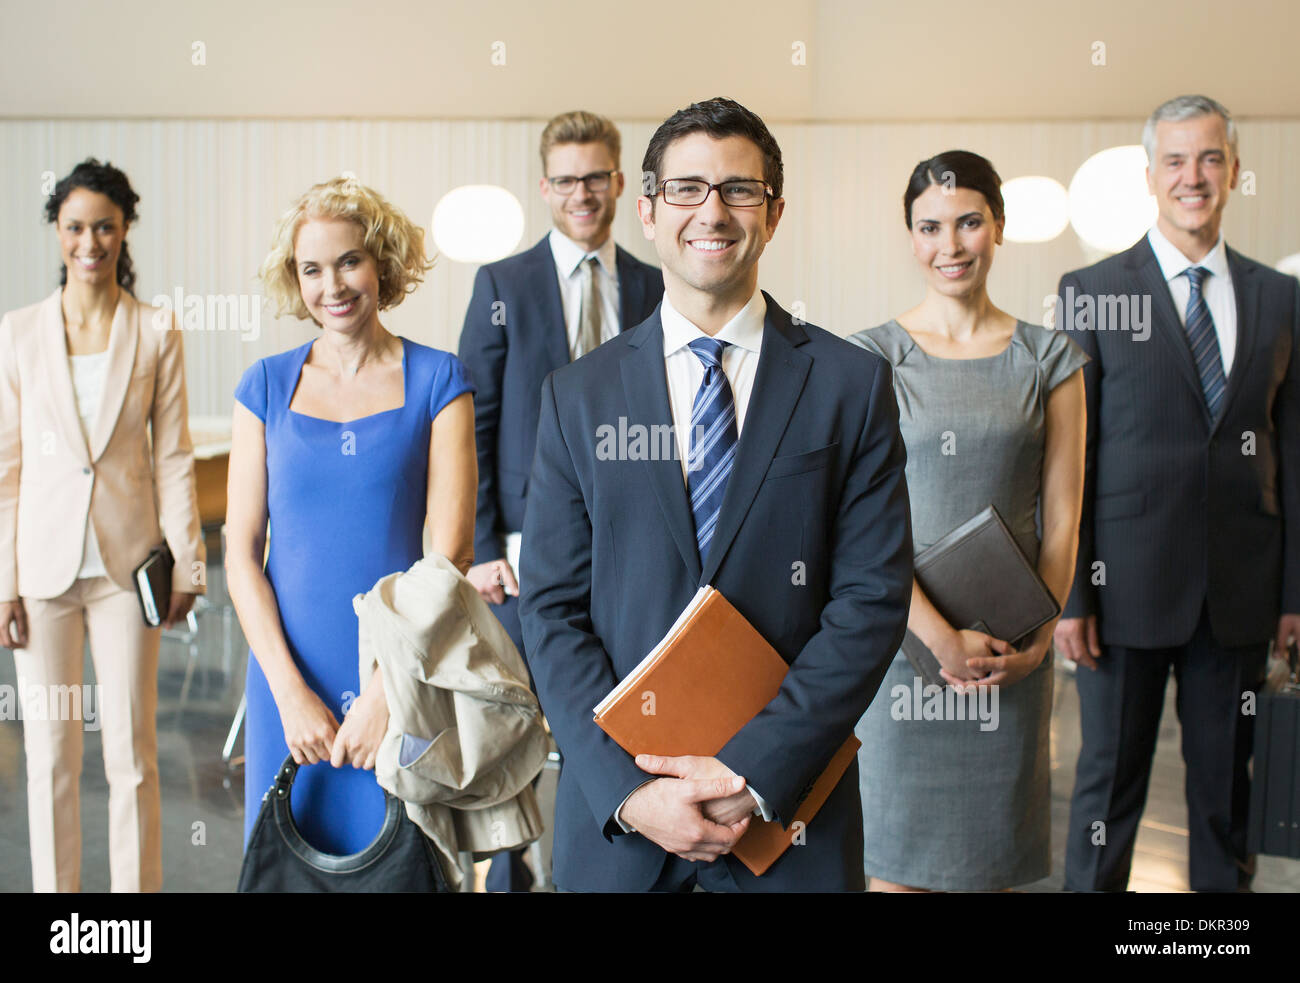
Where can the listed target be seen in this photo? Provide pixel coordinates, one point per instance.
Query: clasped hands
(313, 734)
(698, 810)
(972, 658)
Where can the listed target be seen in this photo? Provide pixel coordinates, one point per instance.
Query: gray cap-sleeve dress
(960, 804)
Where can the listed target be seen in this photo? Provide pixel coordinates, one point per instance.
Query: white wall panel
(212, 190)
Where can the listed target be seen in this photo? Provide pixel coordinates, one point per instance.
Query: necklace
(352, 373)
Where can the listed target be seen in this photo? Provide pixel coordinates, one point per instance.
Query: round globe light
(477, 223)
(1110, 207)
(1037, 209)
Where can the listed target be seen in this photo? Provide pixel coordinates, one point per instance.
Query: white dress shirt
(88, 374)
(569, 257)
(685, 373)
(1217, 290)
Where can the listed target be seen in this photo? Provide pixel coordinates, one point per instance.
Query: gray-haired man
(1189, 547)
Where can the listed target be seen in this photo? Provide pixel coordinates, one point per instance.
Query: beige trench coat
(465, 736)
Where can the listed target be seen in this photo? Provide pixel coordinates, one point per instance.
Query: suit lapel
(542, 283)
(645, 384)
(782, 370)
(1168, 325)
(122, 341)
(631, 290)
(1245, 289)
(58, 373)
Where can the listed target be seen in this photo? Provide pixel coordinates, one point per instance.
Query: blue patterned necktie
(713, 442)
(1205, 342)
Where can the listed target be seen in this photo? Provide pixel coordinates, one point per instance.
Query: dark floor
(203, 798)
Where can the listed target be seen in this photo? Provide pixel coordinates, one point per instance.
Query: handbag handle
(330, 863)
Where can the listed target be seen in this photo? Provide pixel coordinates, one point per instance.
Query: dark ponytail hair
(955, 169)
(109, 181)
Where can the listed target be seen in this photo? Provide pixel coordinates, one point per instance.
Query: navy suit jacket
(813, 545)
(514, 335)
(1183, 510)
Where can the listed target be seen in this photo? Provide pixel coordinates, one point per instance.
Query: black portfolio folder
(153, 585)
(978, 578)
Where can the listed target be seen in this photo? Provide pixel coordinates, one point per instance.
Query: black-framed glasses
(595, 181)
(692, 191)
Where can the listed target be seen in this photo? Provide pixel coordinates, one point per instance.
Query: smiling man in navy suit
(784, 490)
(534, 312)
(530, 314)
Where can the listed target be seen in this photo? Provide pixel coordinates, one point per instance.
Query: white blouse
(88, 374)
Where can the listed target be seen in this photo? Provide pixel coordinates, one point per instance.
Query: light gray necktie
(589, 318)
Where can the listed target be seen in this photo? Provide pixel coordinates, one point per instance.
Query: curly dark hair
(719, 118)
(111, 182)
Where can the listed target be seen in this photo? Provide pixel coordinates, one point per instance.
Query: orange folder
(709, 676)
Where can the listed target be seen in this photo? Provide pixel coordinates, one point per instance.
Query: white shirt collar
(745, 330)
(1173, 263)
(569, 255)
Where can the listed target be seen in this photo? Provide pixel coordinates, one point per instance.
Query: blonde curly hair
(393, 240)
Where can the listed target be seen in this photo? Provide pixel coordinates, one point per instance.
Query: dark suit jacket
(610, 560)
(1182, 509)
(514, 335)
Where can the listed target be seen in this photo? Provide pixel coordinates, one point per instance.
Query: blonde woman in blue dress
(992, 412)
(348, 445)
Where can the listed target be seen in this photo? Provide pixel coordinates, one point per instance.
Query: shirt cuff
(618, 813)
(763, 809)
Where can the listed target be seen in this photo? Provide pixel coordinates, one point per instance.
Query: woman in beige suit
(85, 375)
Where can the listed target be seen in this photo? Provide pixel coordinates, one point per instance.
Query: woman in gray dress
(992, 412)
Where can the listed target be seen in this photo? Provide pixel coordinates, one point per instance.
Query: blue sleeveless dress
(347, 505)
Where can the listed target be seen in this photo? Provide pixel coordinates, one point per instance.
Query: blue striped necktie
(713, 442)
(1204, 341)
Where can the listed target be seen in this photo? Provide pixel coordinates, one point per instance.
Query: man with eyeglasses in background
(529, 314)
(784, 490)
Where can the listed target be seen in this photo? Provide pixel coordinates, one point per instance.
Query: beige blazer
(50, 479)
(465, 736)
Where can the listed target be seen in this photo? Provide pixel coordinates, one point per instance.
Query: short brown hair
(719, 118)
(580, 126)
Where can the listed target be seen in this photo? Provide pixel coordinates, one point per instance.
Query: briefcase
(1274, 827)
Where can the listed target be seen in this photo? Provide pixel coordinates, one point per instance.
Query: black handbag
(278, 860)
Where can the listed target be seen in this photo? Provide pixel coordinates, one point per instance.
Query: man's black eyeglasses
(595, 181)
(692, 191)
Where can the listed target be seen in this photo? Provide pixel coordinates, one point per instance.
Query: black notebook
(978, 578)
(153, 585)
